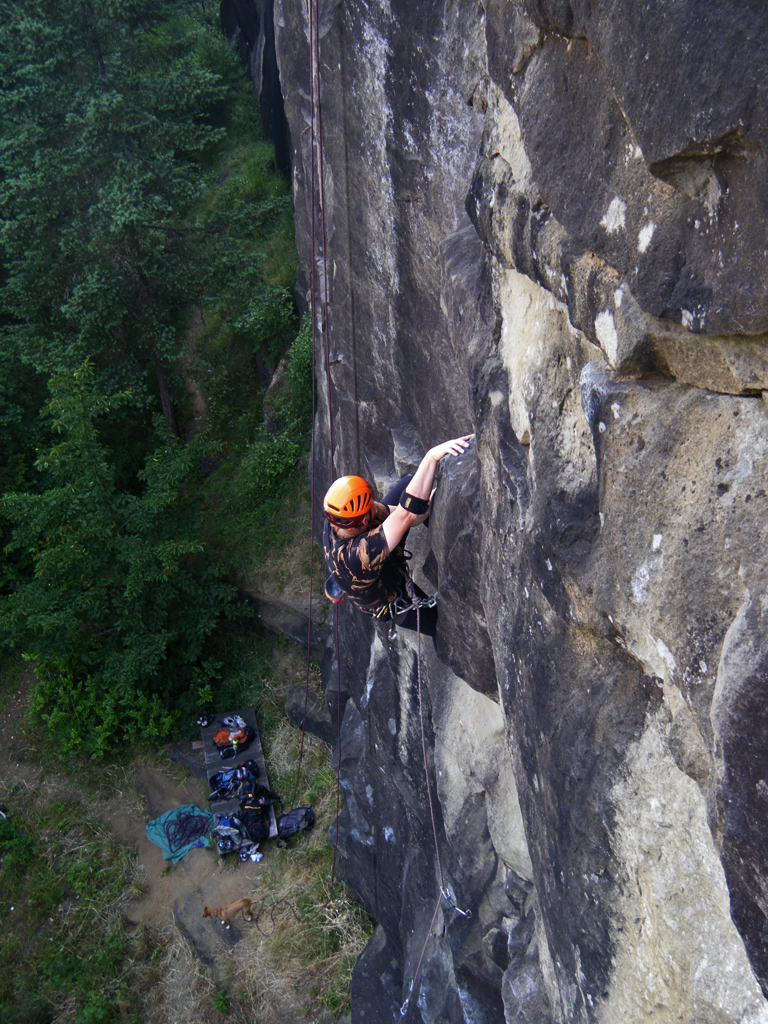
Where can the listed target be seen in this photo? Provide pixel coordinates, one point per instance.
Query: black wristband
(418, 506)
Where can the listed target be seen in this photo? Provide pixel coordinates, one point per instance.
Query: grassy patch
(306, 937)
(300, 954)
(70, 957)
(306, 940)
(63, 880)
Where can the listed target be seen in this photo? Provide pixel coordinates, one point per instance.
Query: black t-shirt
(363, 566)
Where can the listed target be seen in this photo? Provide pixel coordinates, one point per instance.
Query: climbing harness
(401, 605)
(227, 784)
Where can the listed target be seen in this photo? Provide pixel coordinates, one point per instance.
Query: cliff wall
(545, 223)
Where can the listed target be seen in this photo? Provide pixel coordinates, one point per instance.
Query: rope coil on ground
(185, 829)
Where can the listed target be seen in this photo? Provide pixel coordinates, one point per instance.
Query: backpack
(254, 810)
(295, 821)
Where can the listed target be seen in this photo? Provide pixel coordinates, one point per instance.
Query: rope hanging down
(316, 161)
(443, 893)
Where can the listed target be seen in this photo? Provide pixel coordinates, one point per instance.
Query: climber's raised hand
(457, 446)
(400, 520)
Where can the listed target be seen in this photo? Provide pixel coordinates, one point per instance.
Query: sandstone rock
(676, 932)
(647, 147)
(306, 709)
(593, 707)
(523, 233)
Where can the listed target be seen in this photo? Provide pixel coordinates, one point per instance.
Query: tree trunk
(96, 43)
(165, 398)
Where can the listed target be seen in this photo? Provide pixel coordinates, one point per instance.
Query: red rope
(406, 1005)
(316, 105)
(316, 140)
(321, 175)
(338, 750)
(311, 579)
(312, 308)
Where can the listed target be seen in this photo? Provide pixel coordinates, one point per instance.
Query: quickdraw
(450, 900)
(404, 1007)
(401, 605)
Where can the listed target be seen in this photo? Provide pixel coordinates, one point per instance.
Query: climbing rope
(443, 891)
(312, 443)
(416, 603)
(312, 306)
(316, 160)
(184, 829)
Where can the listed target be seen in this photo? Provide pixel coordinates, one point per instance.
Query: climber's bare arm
(400, 521)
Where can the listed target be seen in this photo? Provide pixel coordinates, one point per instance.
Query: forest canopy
(141, 218)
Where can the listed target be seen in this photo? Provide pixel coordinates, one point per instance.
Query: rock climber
(364, 541)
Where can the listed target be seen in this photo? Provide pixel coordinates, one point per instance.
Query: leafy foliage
(134, 190)
(257, 502)
(107, 113)
(122, 600)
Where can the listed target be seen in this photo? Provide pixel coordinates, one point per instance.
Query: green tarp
(177, 831)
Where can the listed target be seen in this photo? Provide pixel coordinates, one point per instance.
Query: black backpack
(254, 810)
(295, 821)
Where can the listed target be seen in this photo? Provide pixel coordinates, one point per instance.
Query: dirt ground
(173, 894)
(176, 894)
(200, 956)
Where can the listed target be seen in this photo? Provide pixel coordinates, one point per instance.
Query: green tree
(122, 598)
(107, 108)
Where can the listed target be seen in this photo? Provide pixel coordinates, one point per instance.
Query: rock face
(545, 222)
(249, 25)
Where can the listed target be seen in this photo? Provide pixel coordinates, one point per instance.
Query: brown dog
(225, 914)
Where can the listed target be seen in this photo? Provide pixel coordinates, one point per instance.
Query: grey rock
(525, 999)
(376, 997)
(306, 709)
(595, 780)
(290, 617)
(648, 149)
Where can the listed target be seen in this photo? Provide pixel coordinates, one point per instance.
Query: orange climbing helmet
(347, 500)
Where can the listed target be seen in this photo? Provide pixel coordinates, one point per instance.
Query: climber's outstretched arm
(400, 521)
